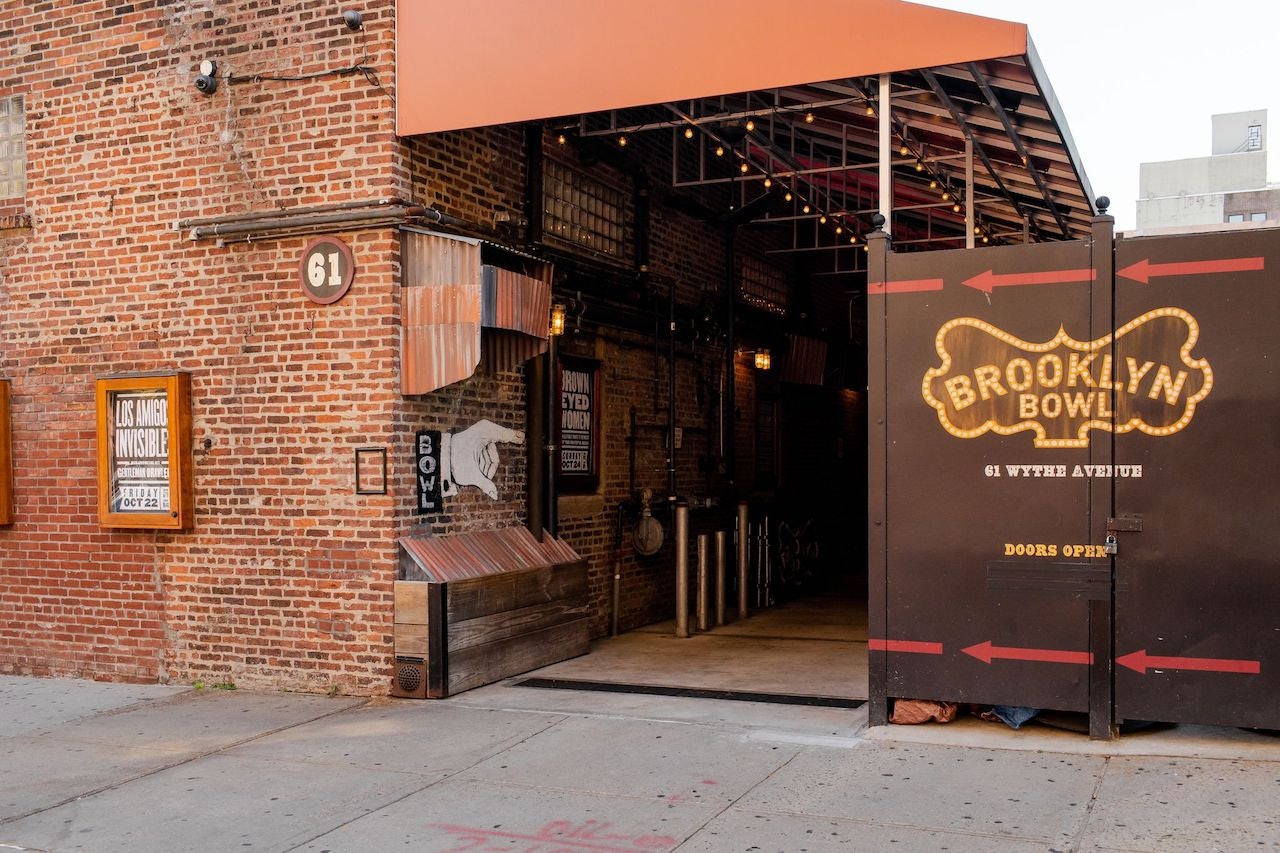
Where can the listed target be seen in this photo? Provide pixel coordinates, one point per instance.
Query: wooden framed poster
(6, 457)
(144, 451)
(577, 436)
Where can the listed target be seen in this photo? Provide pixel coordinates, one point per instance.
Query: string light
(788, 195)
(986, 239)
(904, 150)
(871, 110)
(622, 140)
(933, 185)
(839, 230)
(719, 150)
(768, 182)
(744, 168)
(751, 125)
(955, 208)
(808, 118)
(561, 139)
(688, 133)
(946, 196)
(853, 238)
(806, 208)
(919, 166)
(822, 220)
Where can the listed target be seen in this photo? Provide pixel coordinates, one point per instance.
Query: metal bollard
(704, 609)
(720, 559)
(682, 568)
(744, 559)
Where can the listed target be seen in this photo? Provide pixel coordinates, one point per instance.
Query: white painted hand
(473, 454)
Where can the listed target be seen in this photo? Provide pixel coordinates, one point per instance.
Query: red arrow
(986, 652)
(918, 285)
(1143, 271)
(1140, 662)
(910, 646)
(988, 280)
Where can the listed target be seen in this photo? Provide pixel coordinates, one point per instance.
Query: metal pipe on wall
(552, 385)
(682, 568)
(744, 559)
(535, 457)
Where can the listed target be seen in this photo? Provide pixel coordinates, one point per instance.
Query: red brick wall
(285, 578)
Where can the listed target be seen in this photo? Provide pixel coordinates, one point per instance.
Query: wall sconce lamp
(763, 362)
(557, 319)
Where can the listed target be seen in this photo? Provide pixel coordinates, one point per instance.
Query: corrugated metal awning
(483, 553)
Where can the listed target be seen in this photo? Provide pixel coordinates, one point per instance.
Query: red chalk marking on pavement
(556, 837)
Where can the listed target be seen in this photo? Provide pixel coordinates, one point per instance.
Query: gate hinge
(1125, 524)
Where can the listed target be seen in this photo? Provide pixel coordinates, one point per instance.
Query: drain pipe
(671, 393)
(616, 597)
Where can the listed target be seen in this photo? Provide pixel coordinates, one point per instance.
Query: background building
(1229, 187)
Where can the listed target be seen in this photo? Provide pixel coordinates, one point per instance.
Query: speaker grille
(410, 678)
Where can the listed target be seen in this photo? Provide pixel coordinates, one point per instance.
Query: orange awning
(486, 62)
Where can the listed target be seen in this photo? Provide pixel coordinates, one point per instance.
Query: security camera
(206, 82)
(353, 19)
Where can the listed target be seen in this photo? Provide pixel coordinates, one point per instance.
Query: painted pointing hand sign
(471, 456)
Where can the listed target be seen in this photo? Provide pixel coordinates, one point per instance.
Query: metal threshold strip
(691, 692)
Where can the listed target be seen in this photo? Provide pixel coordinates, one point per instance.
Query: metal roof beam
(960, 119)
(994, 103)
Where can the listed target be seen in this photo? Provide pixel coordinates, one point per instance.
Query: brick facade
(285, 578)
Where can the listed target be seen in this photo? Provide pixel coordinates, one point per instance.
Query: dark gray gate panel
(1198, 613)
(991, 563)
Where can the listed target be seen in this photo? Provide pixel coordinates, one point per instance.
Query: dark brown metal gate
(1198, 612)
(1031, 412)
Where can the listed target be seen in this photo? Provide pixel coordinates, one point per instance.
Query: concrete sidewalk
(102, 767)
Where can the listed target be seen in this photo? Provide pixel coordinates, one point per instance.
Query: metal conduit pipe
(268, 214)
(352, 218)
(744, 559)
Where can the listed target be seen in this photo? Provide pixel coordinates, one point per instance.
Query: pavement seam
(173, 764)
(430, 784)
(1088, 810)
(738, 799)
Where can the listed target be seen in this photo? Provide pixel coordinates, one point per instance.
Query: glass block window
(762, 286)
(13, 148)
(580, 210)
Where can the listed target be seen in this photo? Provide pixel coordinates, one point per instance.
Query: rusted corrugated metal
(515, 314)
(806, 361)
(513, 301)
(486, 552)
(440, 306)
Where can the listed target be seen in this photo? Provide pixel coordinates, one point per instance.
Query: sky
(1138, 80)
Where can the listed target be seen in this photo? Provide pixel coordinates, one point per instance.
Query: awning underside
(820, 143)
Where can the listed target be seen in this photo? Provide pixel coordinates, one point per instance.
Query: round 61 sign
(326, 270)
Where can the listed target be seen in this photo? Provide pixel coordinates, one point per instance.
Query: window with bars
(13, 148)
(584, 212)
(762, 286)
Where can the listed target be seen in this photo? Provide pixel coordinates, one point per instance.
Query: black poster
(427, 453)
(578, 426)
